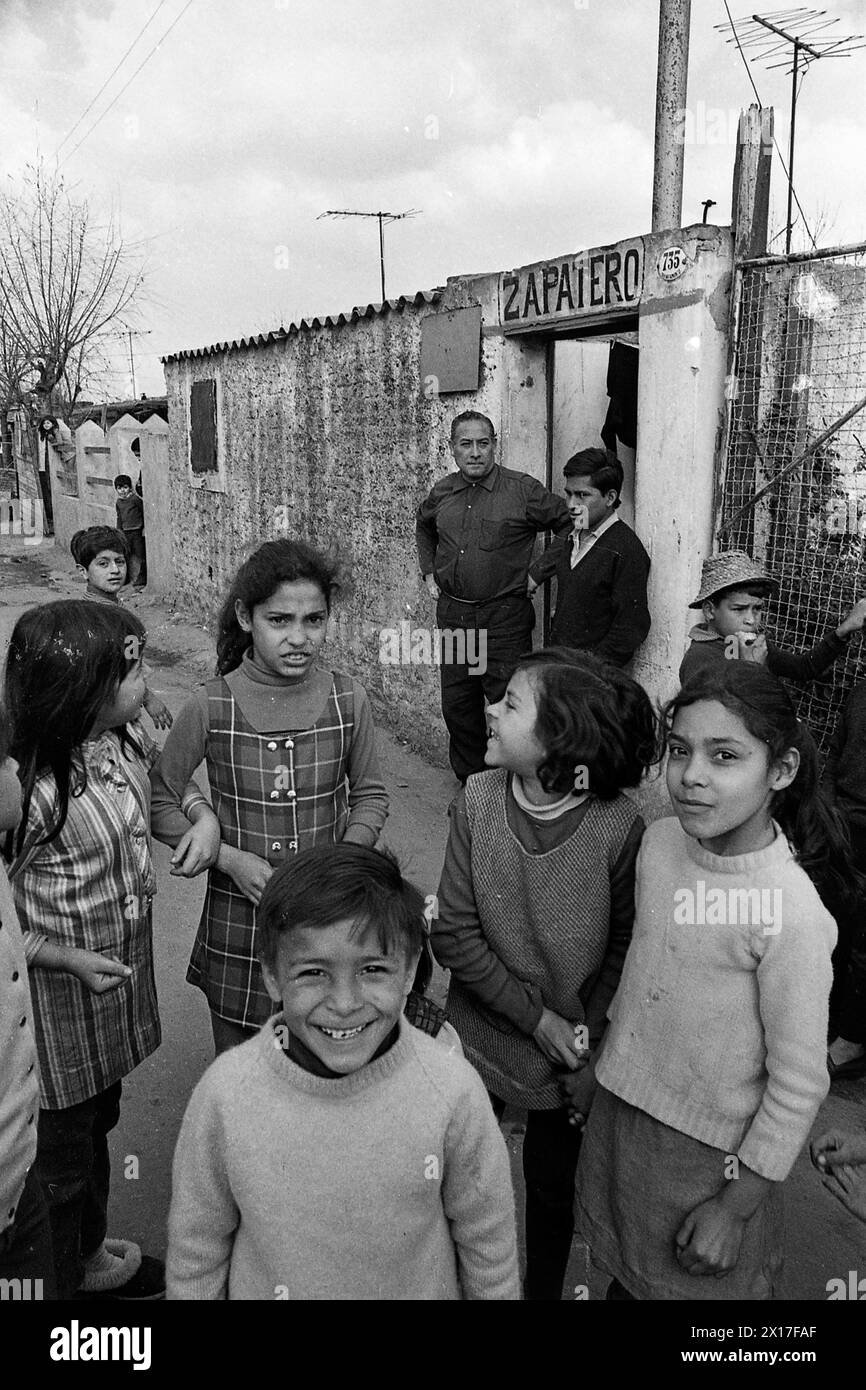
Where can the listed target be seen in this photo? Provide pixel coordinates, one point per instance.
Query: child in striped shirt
(83, 881)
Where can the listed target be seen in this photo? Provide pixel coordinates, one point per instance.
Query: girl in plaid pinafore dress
(290, 755)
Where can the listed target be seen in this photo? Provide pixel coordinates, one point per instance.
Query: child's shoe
(119, 1270)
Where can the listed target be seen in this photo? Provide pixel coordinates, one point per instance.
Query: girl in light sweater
(713, 1068)
(536, 906)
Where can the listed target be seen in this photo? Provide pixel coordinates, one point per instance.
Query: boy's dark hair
(756, 588)
(602, 467)
(590, 714)
(65, 660)
(330, 883)
(465, 416)
(123, 480)
(87, 544)
(274, 563)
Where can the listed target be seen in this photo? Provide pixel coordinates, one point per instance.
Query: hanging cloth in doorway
(621, 420)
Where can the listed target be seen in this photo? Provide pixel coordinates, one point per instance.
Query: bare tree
(66, 282)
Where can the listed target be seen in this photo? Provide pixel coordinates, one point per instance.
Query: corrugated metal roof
(277, 335)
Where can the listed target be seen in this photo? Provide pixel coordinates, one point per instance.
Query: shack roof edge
(278, 335)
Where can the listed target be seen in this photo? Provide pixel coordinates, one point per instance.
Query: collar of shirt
(488, 482)
(601, 528)
(102, 757)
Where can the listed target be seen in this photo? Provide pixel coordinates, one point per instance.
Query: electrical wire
(71, 132)
(775, 141)
(129, 82)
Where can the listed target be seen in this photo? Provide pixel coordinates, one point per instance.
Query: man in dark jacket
(601, 568)
(475, 532)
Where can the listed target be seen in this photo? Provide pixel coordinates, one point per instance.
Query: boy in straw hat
(733, 594)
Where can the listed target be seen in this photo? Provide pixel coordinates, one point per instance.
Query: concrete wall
(683, 365)
(157, 509)
(99, 457)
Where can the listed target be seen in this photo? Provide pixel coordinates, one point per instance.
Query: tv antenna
(806, 31)
(383, 218)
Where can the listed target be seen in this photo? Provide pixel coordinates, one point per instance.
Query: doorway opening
(592, 384)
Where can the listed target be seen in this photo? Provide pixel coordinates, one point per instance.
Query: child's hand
(158, 711)
(853, 621)
(556, 1038)
(753, 648)
(848, 1186)
(98, 972)
(835, 1149)
(709, 1240)
(249, 872)
(198, 848)
(578, 1090)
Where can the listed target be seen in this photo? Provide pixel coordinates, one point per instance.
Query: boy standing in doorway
(601, 568)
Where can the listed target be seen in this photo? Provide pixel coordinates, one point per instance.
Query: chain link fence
(792, 490)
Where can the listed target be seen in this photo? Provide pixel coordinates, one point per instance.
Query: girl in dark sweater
(536, 907)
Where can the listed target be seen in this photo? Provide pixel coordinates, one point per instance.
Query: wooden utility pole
(750, 204)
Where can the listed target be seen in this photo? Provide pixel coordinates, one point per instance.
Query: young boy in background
(101, 554)
(130, 520)
(601, 568)
(733, 598)
(341, 1153)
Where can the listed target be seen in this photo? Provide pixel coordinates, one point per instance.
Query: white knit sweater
(391, 1183)
(719, 1026)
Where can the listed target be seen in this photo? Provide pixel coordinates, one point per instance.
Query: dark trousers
(494, 636)
(848, 995)
(137, 557)
(25, 1246)
(47, 503)
(73, 1166)
(551, 1147)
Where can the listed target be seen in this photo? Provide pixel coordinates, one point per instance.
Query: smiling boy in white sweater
(341, 1153)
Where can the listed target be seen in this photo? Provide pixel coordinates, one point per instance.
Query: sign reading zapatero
(588, 283)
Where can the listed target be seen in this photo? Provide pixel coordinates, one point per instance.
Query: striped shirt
(92, 887)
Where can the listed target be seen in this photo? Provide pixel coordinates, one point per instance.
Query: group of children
(656, 999)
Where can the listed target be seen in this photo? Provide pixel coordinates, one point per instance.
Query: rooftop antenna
(383, 218)
(770, 36)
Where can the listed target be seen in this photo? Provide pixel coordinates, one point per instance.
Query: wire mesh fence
(793, 485)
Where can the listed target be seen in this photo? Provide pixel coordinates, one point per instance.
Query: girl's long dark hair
(813, 826)
(274, 563)
(65, 660)
(590, 713)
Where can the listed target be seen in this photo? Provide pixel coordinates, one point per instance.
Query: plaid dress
(274, 794)
(92, 887)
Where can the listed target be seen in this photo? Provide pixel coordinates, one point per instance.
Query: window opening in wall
(203, 427)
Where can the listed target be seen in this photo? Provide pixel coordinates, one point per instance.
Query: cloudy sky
(518, 128)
